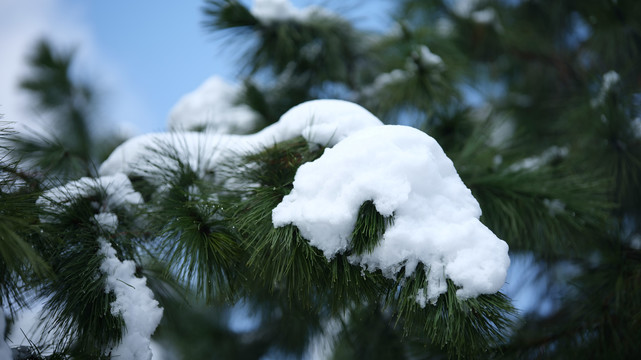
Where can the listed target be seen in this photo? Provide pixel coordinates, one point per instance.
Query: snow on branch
(134, 302)
(408, 176)
(268, 11)
(212, 107)
(403, 171)
(117, 191)
(323, 122)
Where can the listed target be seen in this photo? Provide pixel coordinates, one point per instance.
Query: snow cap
(408, 176)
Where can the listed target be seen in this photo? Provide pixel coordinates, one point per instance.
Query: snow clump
(212, 107)
(610, 79)
(268, 11)
(323, 122)
(428, 58)
(408, 176)
(134, 302)
(536, 162)
(117, 191)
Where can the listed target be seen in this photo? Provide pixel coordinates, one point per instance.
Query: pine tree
(536, 104)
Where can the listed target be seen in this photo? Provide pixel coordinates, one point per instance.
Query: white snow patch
(464, 8)
(421, 55)
(406, 174)
(107, 221)
(323, 122)
(421, 297)
(535, 162)
(428, 58)
(555, 206)
(117, 190)
(134, 302)
(485, 16)
(212, 107)
(610, 79)
(268, 11)
(322, 345)
(386, 79)
(444, 26)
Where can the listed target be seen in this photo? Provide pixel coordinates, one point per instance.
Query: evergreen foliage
(537, 103)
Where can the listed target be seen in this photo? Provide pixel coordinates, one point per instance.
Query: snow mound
(134, 302)
(212, 107)
(406, 174)
(324, 122)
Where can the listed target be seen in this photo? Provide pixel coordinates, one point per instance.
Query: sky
(141, 55)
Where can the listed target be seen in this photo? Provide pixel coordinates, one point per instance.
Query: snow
(402, 170)
(428, 58)
(464, 8)
(554, 206)
(5, 351)
(535, 162)
(425, 58)
(321, 346)
(268, 11)
(386, 79)
(212, 107)
(610, 79)
(323, 122)
(134, 302)
(485, 16)
(107, 221)
(406, 174)
(117, 190)
(468, 9)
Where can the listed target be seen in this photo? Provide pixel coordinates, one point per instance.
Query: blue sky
(143, 55)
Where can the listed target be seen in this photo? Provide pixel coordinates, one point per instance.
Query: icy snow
(212, 107)
(268, 11)
(134, 302)
(323, 122)
(406, 174)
